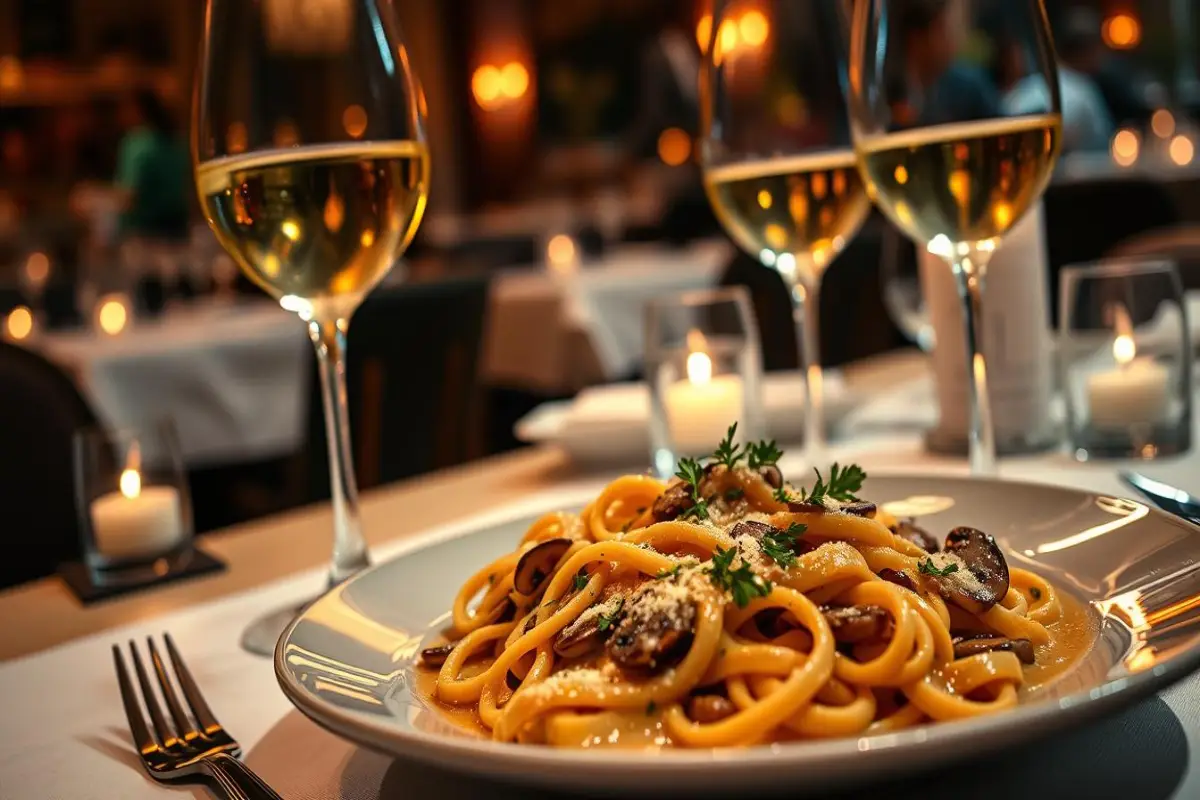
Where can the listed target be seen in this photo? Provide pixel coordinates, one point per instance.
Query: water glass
(704, 371)
(131, 492)
(1125, 360)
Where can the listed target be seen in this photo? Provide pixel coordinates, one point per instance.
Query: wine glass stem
(349, 548)
(970, 273)
(806, 309)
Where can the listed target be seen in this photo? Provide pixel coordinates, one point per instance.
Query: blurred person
(1081, 48)
(1086, 122)
(942, 86)
(152, 170)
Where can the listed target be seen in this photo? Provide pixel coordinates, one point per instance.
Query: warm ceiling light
(19, 323)
(354, 120)
(674, 147)
(1122, 31)
(754, 28)
(1162, 122)
(1182, 150)
(514, 80)
(487, 85)
(1125, 147)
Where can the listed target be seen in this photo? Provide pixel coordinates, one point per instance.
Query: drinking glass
(313, 172)
(776, 153)
(953, 152)
(704, 370)
(1125, 358)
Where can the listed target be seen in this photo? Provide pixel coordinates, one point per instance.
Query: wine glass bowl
(955, 142)
(313, 172)
(778, 164)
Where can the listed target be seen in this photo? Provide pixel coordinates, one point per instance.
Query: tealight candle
(1135, 393)
(700, 408)
(137, 522)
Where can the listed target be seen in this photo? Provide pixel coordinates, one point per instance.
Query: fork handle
(238, 780)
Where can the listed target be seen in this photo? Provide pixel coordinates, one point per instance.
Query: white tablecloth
(557, 332)
(233, 378)
(63, 735)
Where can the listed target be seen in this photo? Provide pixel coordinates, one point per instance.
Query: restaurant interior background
(561, 135)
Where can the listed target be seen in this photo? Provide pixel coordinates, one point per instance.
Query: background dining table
(63, 735)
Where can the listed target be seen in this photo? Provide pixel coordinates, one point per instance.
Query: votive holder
(1125, 360)
(133, 504)
(703, 366)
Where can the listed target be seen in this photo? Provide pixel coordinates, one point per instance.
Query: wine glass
(954, 150)
(776, 153)
(313, 172)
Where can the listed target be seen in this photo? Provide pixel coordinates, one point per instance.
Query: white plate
(609, 424)
(347, 661)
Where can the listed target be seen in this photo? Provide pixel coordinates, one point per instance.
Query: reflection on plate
(348, 661)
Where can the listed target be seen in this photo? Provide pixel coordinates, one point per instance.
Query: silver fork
(186, 750)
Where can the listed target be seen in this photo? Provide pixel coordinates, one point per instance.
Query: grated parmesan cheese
(962, 576)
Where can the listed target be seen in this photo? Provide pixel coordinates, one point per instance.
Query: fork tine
(200, 709)
(142, 739)
(183, 725)
(165, 734)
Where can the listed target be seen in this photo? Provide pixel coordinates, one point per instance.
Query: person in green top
(152, 171)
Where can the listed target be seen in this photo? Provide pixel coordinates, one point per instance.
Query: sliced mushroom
(751, 528)
(656, 631)
(436, 656)
(805, 507)
(1022, 648)
(707, 708)
(985, 580)
(536, 563)
(580, 638)
(673, 502)
(898, 577)
(502, 612)
(771, 475)
(859, 508)
(907, 529)
(858, 624)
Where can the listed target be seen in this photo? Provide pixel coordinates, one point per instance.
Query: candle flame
(1124, 349)
(699, 368)
(131, 483)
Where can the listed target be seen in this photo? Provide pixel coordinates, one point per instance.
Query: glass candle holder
(1125, 358)
(135, 511)
(704, 371)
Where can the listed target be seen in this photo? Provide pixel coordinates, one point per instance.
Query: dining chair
(412, 383)
(40, 411)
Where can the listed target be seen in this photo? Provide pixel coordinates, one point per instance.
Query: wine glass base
(263, 633)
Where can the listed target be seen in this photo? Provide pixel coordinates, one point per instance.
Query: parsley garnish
(1035, 592)
(727, 452)
(609, 620)
(762, 454)
(777, 545)
(581, 580)
(927, 567)
(782, 495)
(741, 582)
(734, 494)
(843, 483)
(668, 573)
(691, 473)
(651, 707)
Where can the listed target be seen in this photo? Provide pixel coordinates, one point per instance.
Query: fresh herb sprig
(727, 452)
(673, 572)
(783, 494)
(777, 545)
(927, 567)
(762, 454)
(610, 619)
(691, 473)
(842, 484)
(741, 582)
(579, 582)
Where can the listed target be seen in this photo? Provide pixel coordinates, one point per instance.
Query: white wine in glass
(313, 172)
(779, 168)
(955, 153)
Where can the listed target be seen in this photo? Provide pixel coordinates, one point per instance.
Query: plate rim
(485, 756)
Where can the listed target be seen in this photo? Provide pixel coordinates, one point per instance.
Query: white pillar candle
(137, 522)
(701, 408)
(1135, 393)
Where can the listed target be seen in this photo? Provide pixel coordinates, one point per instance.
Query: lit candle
(1135, 393)
(137, 522)
(701, 408)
